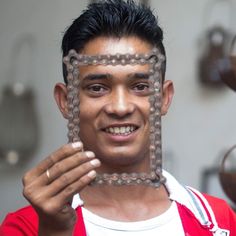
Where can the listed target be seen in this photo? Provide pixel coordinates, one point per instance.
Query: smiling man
(114, 122)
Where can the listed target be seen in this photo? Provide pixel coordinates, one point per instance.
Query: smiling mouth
(121, 130)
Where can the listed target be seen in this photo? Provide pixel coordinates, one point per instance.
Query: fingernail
(89, 154)
(95, 162)
(77, 145)
(92, 173)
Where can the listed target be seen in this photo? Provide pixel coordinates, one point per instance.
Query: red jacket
(24, 222)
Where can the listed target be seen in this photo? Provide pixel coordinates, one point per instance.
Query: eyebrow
(97, 76)
(139, 75)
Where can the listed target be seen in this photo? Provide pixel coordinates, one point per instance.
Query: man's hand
(50, 186)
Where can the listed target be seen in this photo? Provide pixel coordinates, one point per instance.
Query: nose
(120, 103)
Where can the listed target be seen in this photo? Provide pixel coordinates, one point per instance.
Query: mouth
(123, 130)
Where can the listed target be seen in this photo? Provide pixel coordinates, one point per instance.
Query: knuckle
(84, 180)
(82, 183)
(49, 207)
(25, 179)
(64, 179)
(76, 187)
(83, 169)
(70, 190)
(51, 159)
(65, 150)
(34, 197)
(28, 193)
(79, 158)
(58, 168)
(87, 166)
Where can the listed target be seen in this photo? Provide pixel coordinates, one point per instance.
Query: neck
(106, 201)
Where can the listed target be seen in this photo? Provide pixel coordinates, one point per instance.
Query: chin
(124, 161)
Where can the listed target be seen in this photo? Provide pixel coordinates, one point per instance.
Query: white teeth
(111, 130)
(124, 130)
(117, 130)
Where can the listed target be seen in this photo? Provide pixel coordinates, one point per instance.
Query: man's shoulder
(215, 200)
(21, 222)
(218, 204)
(224, 214)
(25, 212)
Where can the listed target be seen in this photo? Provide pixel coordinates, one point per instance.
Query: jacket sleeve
(232, 216)
(24, 222)
(225, 216)
(20, 223)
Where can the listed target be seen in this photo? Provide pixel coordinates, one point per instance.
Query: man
(114, 130)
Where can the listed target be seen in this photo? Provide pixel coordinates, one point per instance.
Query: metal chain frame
(155, 59)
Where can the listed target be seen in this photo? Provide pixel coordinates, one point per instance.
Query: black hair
(113, 18)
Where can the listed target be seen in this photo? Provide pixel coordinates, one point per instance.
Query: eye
(97, 89)
(142, 88)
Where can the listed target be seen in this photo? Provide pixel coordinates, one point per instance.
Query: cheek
(86, 125)
(87, 114)
(89, 111)
(144, 108)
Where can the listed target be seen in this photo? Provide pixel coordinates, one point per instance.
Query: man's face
(114, 105)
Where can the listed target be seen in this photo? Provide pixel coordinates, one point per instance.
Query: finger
(67, 164)
(74, 175)
(60, 154)
(62, 167)
(75, 187)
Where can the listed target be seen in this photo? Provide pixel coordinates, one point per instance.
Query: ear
(60, 95)
(167, 95)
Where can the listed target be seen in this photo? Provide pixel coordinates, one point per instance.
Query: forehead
(113, 46)
(110, 45)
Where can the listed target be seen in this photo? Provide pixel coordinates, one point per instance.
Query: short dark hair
(113, 18)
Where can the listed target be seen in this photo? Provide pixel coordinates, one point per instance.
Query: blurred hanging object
(227, 66)
(18, 119)
(217, 40)
(208, 70)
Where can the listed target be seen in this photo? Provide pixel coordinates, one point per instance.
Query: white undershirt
(166, 224)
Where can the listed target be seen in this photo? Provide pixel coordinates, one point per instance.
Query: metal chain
(155, 59)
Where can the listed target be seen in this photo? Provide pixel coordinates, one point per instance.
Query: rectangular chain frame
(155, 59)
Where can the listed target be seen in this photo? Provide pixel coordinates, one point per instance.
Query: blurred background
(198, 130)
